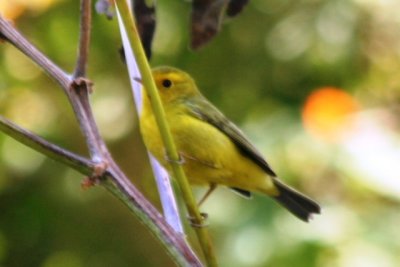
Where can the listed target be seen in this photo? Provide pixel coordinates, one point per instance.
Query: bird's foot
(179, 161)
(194, 222)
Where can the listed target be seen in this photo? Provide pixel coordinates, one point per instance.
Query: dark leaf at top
(206, 20)
(146, 23)
(235, 7)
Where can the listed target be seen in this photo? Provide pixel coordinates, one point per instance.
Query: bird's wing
(201, 109)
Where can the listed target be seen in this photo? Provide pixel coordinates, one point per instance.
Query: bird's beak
(138, 79)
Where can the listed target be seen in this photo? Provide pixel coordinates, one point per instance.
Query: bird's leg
(193, 223)
(207, 194)
(204, 215)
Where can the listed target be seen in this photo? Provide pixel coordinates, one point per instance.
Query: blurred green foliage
(260, 70)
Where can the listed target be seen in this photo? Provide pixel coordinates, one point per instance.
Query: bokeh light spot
(18, 65)
(10, 10)
(325, 112)
(372, 151)
(31, 110)
(361, 254)
(250, 246)
(19, 158)
(290, 38)
(335, 22)
(224, 208)
(112, 116)
(34, 5)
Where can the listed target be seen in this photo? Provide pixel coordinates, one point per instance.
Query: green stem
(172, 154)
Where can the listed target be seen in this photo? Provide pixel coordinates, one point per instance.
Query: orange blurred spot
(11, 10)
(325, 112)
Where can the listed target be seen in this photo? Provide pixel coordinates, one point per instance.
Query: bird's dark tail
(298, 204)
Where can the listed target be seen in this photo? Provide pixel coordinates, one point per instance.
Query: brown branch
(14, 37)
(111, 180)
(80, 87)
(78, 97)
(84, 39)
(79, 163)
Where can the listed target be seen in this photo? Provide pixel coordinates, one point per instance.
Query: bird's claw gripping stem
(180, 161)
(196, 224)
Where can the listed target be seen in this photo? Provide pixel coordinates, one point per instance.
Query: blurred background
(314, 84)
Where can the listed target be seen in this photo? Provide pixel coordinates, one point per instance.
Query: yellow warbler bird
(213, 150)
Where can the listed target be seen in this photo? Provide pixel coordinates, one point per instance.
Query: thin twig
(77, 91)
(84, 39)
(115, 181)
(80, 88)
(15, 38)
(79, 163)
(159, 114)
(79, 99)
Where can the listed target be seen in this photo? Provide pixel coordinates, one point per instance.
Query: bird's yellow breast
(209, 156)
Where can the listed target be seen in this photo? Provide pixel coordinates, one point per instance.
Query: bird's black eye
(166, 83)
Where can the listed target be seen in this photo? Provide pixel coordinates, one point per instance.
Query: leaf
(146, 23)
(235, 7)
(206, 20)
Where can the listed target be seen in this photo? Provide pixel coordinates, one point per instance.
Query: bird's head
(174, 84)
